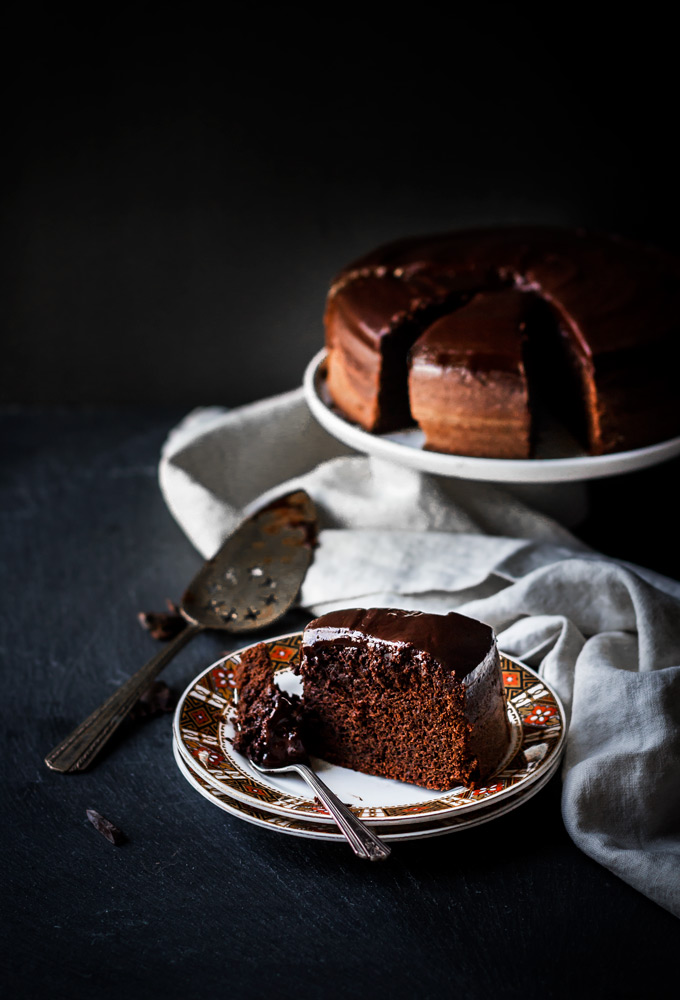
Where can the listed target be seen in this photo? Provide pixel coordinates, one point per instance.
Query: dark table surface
(197, 903)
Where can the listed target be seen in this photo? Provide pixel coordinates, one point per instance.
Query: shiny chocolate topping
(458, 643)
(486, 334)
(605, 289)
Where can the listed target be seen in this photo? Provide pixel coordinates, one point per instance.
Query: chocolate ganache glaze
(433, 634)
(608, 332)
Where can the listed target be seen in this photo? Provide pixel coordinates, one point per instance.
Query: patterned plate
(203, 731)
(320, 831)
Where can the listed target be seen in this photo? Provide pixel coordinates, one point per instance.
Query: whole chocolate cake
(406, 695)
(462, 332)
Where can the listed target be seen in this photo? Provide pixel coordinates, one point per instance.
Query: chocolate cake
(406, 695)
(603, 342)
(268, 720)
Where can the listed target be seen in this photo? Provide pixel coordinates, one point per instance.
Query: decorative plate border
(201, 730)
(320, 831)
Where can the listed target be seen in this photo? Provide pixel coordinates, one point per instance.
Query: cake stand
(553, 481)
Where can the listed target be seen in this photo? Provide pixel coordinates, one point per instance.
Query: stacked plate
(202, 744)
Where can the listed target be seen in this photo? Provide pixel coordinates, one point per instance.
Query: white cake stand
(541, 481)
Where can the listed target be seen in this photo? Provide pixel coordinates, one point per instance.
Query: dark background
(182, 183)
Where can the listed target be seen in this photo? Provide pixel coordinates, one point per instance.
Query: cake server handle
(361, 839)
(80, 747)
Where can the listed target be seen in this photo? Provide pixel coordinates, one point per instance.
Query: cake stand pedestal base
(566, 503)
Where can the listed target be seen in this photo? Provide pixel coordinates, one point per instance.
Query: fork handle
(80, 747)
(361, 839)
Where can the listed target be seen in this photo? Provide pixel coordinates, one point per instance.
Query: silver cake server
(249, 583)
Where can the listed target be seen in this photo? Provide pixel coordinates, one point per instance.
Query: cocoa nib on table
(158, 699)
(163, 625)
(106, 827)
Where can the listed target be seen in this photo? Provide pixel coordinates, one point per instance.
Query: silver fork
(361, 839)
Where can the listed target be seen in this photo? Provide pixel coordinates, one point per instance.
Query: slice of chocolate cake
(267, 719)
(405, 695)
(467, 383)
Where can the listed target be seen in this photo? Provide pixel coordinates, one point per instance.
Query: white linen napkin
(605, 634)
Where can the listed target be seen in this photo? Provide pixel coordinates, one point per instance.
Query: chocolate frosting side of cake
(458, 643)
(486, 714)
(373, 305)
(607, 284)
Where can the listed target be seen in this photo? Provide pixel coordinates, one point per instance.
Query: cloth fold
(605, 634)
